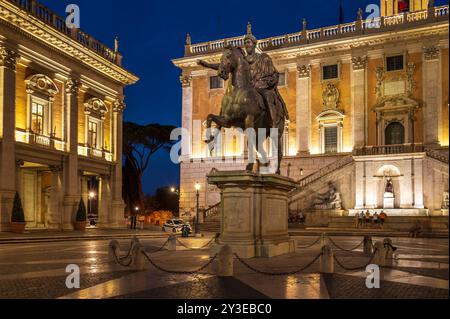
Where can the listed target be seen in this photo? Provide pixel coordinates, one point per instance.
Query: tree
(139, 144)
(167, 200)
(18, 215)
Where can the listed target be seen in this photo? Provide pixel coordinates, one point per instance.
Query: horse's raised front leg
(220, 121)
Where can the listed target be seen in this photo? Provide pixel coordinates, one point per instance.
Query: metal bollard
(389, 250)
(368, 245)
(324, 240)
(327, 260)
(113, 250)
(172, 245)
(138, 257)
(380, 254)
(225, 262)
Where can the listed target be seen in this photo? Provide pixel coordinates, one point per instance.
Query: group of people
(365, 219)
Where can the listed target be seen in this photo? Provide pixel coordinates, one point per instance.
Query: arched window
(395, 134)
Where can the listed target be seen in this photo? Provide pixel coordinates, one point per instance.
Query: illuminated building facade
(61, 105)
(368, 101)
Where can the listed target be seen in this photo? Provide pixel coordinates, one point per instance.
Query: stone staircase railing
(212, 211)
(325, 171)
(437, 156)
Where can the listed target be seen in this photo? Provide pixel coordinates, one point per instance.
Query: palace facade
(61, 106)
(368, 102)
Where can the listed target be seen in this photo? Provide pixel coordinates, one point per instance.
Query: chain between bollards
(179, 272)
(343, 249)
(202, 247)
(277, 274)
(309, 246)
(354, 268)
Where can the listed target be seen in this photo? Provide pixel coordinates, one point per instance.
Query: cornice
(35, 29)
(366, 42)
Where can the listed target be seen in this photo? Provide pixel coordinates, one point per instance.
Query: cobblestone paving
(50, 288)
(435, 273)
(38, 270)
(348, 287)
(211, 288)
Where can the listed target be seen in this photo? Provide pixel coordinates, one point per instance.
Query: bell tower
(393, 7)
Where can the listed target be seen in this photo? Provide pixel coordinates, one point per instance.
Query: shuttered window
(331, 139)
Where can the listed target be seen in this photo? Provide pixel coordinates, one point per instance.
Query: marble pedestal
(254, 213)
(388, 201)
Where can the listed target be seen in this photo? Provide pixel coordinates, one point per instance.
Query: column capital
(359, 62)
(8, 58)
(431, 53)
(72, 86)
(186, 80)
(304, 71)
(119, 105)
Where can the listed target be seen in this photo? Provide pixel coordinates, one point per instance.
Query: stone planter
(80, 226)
(18, 228)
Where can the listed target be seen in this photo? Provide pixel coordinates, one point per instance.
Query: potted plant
(17, 216)
(80, 220)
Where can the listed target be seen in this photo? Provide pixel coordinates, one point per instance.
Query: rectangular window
(330, 72)
(331, 139)
(92, 134)
(37, 118)
(394, 63)
(215, 82)
(282, 79)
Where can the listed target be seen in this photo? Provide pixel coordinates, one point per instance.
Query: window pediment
(95, 107)
(41, 83)
(330, 115)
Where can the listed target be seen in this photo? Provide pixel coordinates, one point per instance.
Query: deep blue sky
(153, 32)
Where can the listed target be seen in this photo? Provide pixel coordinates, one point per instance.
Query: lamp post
(197, 230)
(91, 197)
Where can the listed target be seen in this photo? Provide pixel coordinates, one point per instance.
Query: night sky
(151, 33)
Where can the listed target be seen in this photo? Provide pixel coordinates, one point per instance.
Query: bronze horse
(242, 106)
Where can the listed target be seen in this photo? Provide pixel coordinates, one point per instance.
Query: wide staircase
(212, 220)
(436, 226)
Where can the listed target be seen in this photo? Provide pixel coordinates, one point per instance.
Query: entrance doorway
(34, 190)
(90, 189)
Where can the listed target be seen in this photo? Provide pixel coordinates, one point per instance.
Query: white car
(175, 226)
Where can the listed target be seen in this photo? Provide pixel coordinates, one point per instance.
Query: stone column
(360, 186)
(432, 95)
(358, 94)
(105, 202)
(418, 183)
(303, 120)
(71, 183)
(118, 206)
(55, 216)
(406, 186)
(8, 59)
(186, 82)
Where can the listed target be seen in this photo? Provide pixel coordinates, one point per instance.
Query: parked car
(175, 225)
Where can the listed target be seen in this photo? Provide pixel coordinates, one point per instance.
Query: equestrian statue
(252, 100)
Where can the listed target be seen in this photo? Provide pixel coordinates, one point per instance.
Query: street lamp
(197, 230)
(91, 196)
